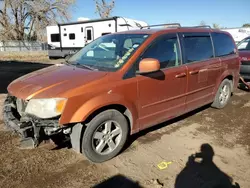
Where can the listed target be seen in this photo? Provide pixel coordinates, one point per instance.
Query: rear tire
(105, 136)
(223, 94)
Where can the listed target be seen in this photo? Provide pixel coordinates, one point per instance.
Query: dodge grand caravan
(123, 83)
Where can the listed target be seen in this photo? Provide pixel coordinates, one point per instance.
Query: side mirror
(148, 65)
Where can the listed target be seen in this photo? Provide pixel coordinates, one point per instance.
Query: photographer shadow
(201, 172)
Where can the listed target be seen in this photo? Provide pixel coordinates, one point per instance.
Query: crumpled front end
(31, 129)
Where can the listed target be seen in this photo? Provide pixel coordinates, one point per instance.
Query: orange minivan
(123, 83)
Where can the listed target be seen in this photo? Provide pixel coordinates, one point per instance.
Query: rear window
(55, 37)
(223, 44)
(198, 48)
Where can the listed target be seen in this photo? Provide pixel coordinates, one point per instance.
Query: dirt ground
(225, 133)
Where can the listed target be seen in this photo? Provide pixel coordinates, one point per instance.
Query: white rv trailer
(238, 33)
(67, 38)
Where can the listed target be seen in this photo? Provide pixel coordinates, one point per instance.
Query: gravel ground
(225, 133)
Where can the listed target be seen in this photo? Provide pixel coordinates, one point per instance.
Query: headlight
(46, 108)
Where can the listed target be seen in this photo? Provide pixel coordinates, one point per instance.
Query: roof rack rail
(206, 26)
(168, 24)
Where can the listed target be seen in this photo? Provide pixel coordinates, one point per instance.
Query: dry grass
(30, 56)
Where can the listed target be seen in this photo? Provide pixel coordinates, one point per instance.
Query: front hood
(245, 53)
(51, 81)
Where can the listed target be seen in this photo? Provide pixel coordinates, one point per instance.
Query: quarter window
(198, 48)
(166, 50)
(223, 44)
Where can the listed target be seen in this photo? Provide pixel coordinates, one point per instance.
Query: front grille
(245, 62)
(21, 105)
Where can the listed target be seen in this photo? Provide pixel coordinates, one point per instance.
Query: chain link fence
(19, 46)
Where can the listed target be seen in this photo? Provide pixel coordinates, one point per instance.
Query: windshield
(244, 44)
(109, 52)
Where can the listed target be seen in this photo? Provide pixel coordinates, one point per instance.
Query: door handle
(203, 70)
(180, 75)
(194, 72)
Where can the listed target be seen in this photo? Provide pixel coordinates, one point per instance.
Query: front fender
(85, 109)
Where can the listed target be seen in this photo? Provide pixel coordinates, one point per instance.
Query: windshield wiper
(86, 66)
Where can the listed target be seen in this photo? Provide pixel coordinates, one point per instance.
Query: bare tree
(103, 8)
(202, 23)
(27, 19)
(216, 26)
(246, 25)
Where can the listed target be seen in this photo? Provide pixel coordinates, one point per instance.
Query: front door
(200, 61)
(162, 94)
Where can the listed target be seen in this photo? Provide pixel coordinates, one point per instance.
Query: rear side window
(72, 36)
(223, 44)
(55, 37)
(198, 48)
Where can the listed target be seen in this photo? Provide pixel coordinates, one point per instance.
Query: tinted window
(55, 37)
(89, 34)
(223, 44)
(72, 36)
(166, 50)
(198, 48)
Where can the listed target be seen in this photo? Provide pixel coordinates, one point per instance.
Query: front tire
(223, 94)
(105, 136)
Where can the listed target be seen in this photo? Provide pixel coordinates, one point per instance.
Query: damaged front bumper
(30, 128)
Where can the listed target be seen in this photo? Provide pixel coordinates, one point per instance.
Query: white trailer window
(89, 34)
(72, 36)
(55, 37)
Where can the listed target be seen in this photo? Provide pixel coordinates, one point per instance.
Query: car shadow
(118, 181)
(11, 70)
(201, 171)
(161, 125)
(65, 142)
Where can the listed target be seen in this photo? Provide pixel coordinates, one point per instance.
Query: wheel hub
(106, 137)
(224, 94)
